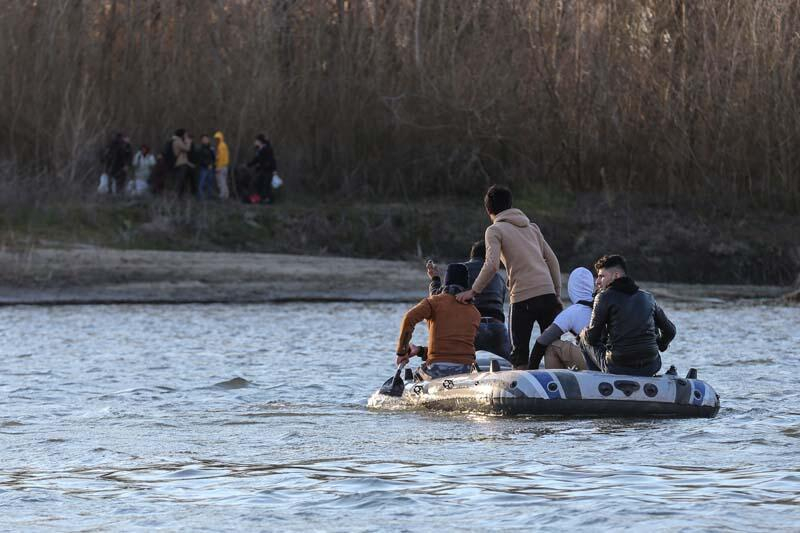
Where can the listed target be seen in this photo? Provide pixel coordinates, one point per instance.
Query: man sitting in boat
(573, 319)
(628, 328)
(451, 329)
(492, 332)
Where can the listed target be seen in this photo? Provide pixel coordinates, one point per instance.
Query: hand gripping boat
(499, 390)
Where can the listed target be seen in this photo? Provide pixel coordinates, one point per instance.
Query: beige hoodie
(181, 150)
(533, 268)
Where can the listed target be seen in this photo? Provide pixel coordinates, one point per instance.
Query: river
(254, 417)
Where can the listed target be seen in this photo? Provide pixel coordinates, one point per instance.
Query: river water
(254, 417)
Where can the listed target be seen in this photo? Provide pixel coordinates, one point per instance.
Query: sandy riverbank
(93, 275)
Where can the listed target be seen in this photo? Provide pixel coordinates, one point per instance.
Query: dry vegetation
(676, 99)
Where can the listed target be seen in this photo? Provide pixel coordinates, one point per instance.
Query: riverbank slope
(92, 275)
(168, 250)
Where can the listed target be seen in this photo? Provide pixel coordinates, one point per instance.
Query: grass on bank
(360, 229)
(662, 243)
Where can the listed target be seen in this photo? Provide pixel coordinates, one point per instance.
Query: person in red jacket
(451, 329)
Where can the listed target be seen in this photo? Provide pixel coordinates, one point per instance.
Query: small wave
(389, 403)
(136, 391)
(757, 361)
(235, 383)
(791, 432)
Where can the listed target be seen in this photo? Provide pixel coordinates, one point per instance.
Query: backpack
(168, 154)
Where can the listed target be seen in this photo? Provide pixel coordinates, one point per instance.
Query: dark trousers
(596, 360)
(205, 186)
(184, 178)
(492, 337)
(119, 178)
(264, 186)
(540, 309)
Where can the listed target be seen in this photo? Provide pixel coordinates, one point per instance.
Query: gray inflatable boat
(497, 389)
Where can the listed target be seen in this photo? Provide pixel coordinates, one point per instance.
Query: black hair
(478, 250)
(497, 199)
(180, 132)
(262, 138)
(611, 261)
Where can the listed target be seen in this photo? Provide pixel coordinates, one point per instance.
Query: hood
(626, 285)
(219, 136)
(453, 289)
(513, 216)
(580, 285)
(456, 274)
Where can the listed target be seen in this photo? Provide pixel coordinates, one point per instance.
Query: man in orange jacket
(451, 329)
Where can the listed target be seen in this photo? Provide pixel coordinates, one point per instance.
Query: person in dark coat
(118, 157)
(264, 165)
(158, 178)
(628, 329)
(205, 158)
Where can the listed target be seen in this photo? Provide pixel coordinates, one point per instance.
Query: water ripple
(256, 416)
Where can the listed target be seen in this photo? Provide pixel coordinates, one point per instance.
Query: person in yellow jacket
(222, 163)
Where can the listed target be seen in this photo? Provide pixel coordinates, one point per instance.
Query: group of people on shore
(618, 328)
(184, 166)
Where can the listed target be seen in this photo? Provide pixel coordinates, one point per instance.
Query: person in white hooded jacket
(573, 319)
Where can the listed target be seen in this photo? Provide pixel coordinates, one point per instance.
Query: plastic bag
(276, 181)
(103, 187)
(140, 186)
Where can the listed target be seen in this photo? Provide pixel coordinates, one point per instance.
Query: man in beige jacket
(181, 146)
(534, 276)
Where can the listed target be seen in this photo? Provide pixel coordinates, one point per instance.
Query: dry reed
(674, 99)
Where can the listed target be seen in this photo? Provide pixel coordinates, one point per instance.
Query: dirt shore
(93, 275)
(665, 243)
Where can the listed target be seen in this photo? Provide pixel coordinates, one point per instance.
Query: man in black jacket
(492, 333)
(265, 165)
(204, 159)
(118, 157)
(628, 329)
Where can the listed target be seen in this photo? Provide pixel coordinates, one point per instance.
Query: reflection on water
(212, 417)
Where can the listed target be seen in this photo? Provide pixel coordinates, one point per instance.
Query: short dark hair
(497, 199)
(478, 250)
(180, 132)
(611, 261)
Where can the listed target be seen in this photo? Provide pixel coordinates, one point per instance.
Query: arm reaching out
(552, 333)
(414, 316)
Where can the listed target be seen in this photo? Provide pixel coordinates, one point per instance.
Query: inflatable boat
(495, 388)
